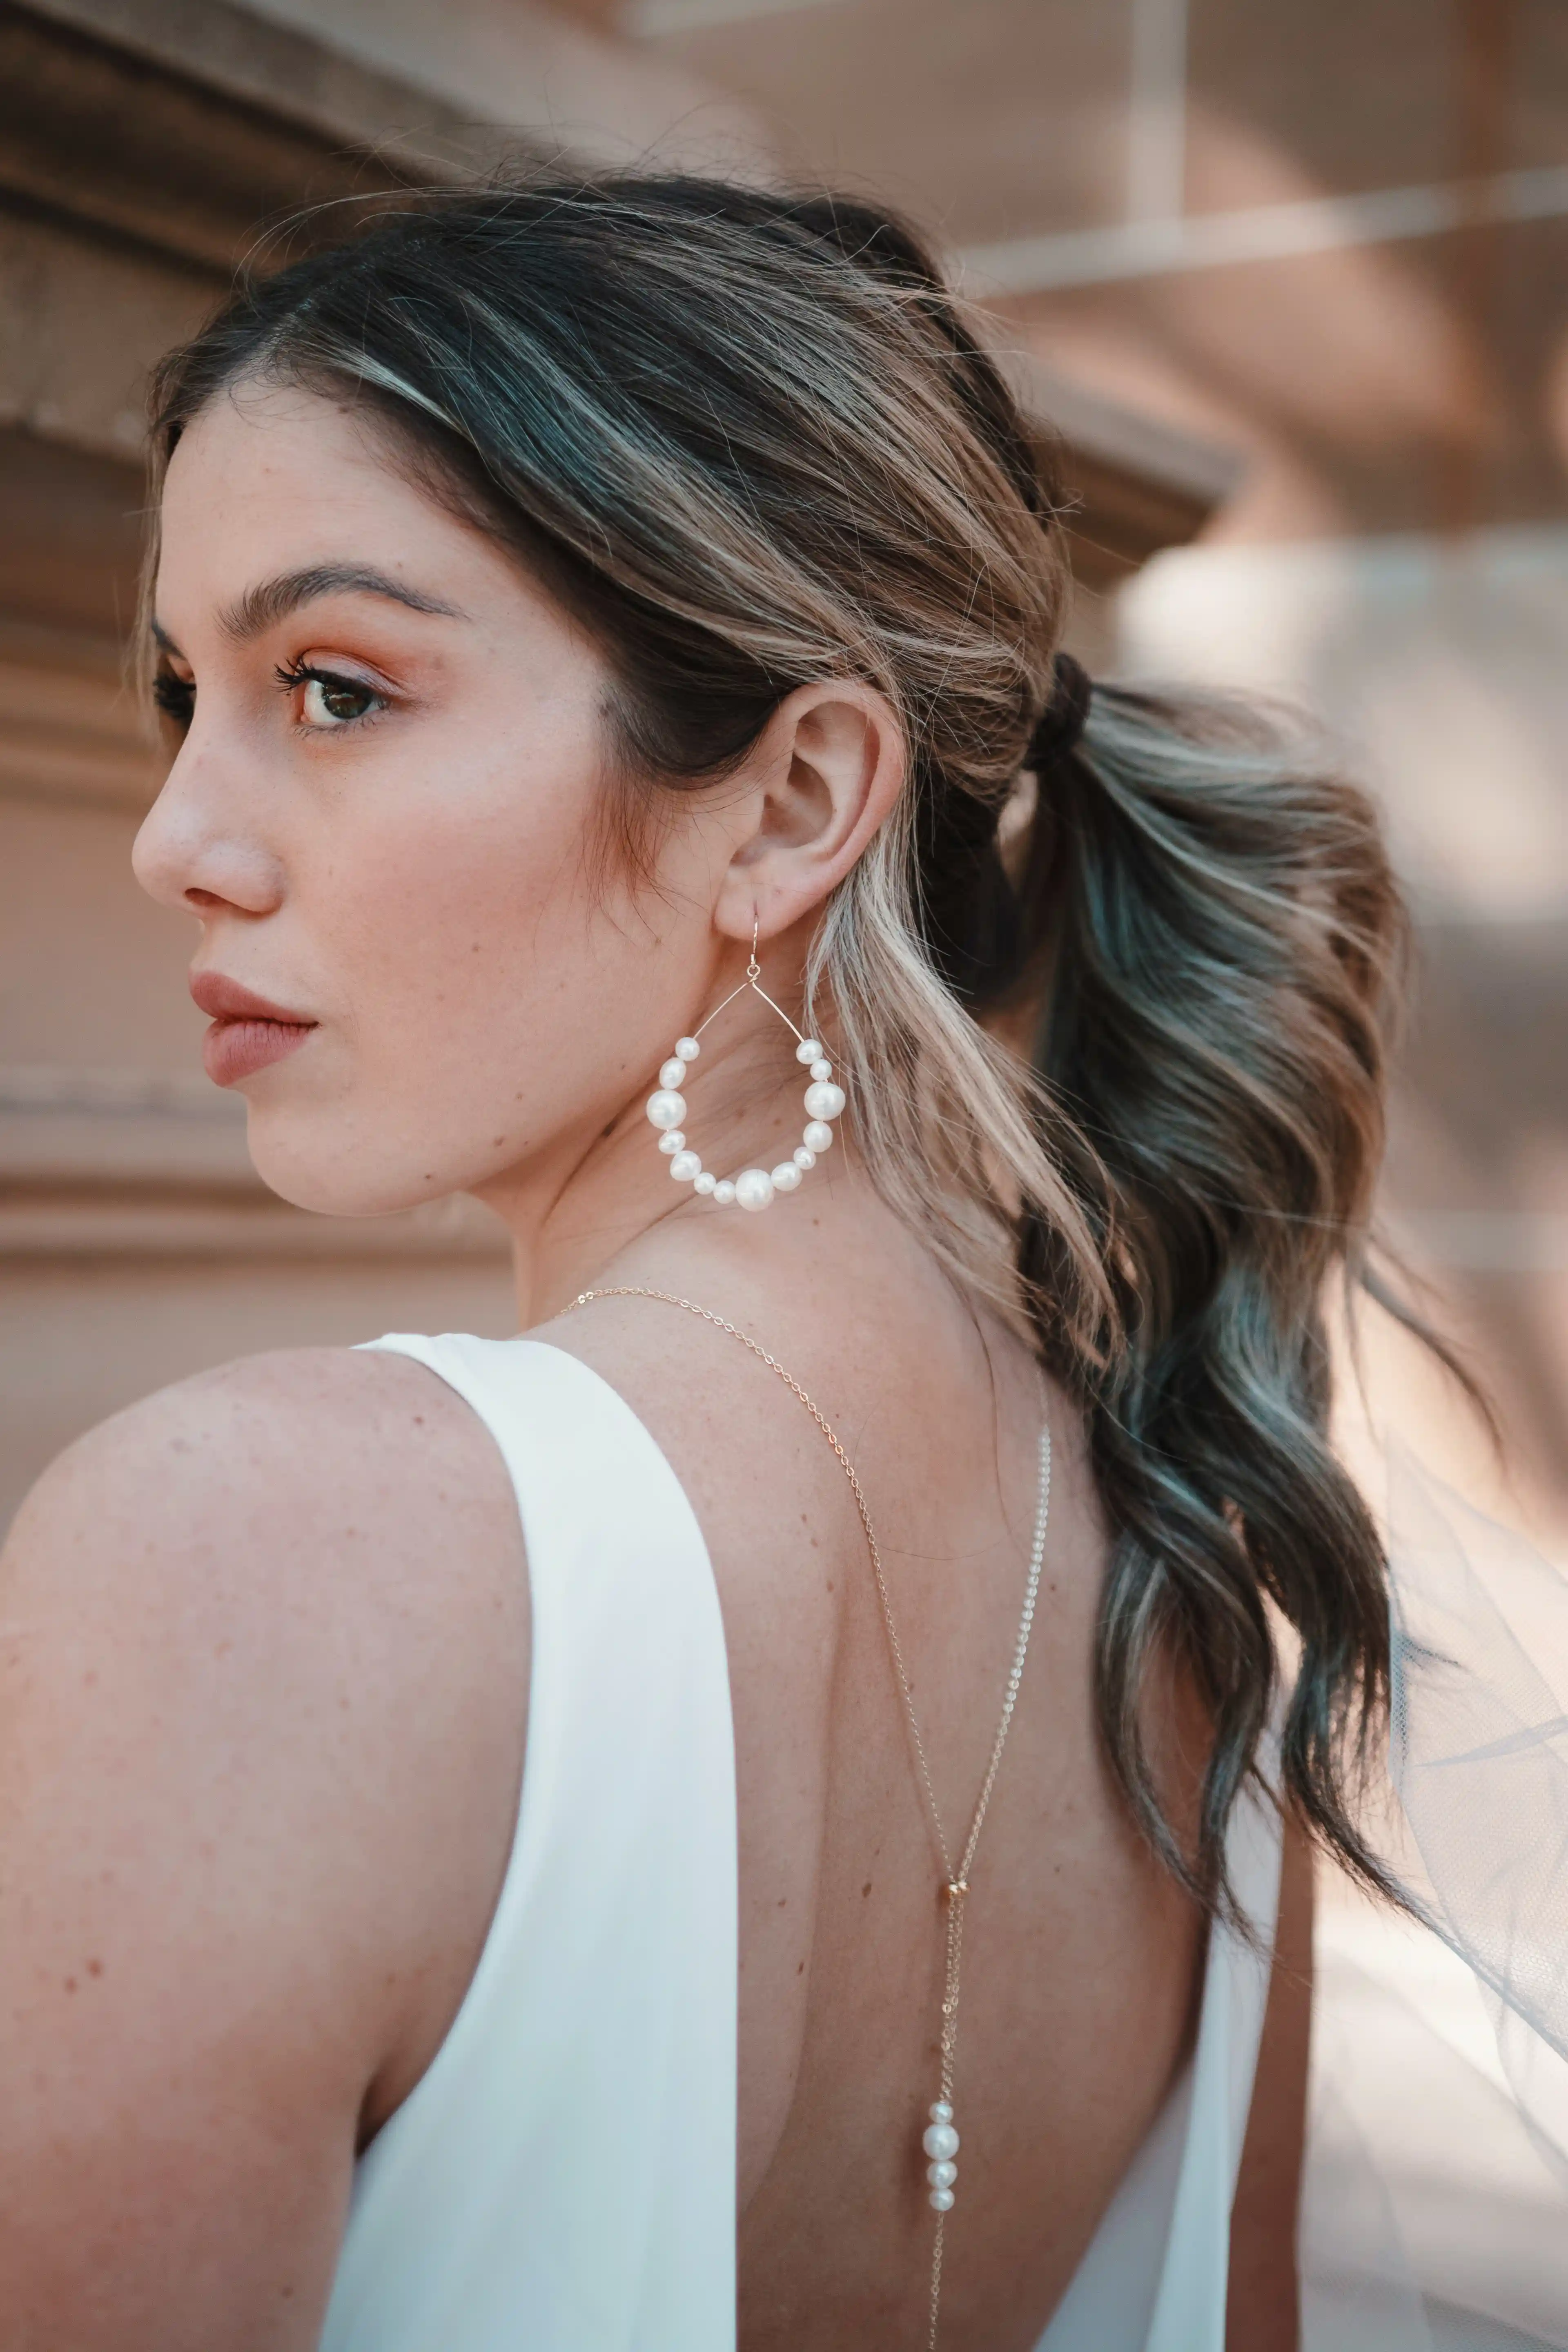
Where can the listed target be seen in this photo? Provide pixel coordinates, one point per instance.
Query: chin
(336, 1170)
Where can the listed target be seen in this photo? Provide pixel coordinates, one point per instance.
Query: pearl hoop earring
(754, 1188)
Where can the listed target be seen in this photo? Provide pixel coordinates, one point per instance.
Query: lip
(248, 1033)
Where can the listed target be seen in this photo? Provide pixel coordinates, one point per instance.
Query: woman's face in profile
(384, 812)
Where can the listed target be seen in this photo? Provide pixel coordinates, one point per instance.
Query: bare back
(1081, 1959)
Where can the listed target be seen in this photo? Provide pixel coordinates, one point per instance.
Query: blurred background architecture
(1288, 281)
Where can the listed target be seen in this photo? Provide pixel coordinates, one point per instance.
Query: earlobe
(830, 767)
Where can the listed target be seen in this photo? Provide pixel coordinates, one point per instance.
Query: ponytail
(1223, 933)
(752, 440)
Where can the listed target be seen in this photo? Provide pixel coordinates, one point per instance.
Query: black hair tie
(1061, 724)
(971, 918)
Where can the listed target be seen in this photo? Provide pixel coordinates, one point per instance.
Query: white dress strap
(1189, 2314)
(564, 2176)
(1156, 2274)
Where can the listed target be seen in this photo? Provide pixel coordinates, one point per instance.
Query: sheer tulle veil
(1436, 2212)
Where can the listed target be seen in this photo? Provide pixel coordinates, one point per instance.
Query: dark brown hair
(752, 440)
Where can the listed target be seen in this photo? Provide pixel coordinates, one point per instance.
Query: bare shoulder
(263, 1666)
(267, 1459)
(280, 1563)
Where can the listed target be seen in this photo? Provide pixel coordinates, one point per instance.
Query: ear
(825, 774)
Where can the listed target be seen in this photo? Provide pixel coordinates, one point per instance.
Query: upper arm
(218, 1857)
(1262, 2307)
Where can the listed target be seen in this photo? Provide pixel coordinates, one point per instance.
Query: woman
(588, 615)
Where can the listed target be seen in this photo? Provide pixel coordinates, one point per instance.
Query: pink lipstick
(248, 1032)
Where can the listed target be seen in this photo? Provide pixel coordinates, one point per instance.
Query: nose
(200, 848)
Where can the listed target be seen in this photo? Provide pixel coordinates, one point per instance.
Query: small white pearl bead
(706, 1182)
(803, 1159)
(941, 2200)
(786, 1177)
(687, 1049)
(941, 2113)
(672, 1141)
(667, 1108)
(685, 1166)
(723, 1192)
(754, 1188)
(673, 1075)
(940, 2141)
(942, 2176)
(820, 1070)
(817, 1136)
(808, 1050)
(823, 1100)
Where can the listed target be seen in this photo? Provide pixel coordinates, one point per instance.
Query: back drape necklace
(938, 2142)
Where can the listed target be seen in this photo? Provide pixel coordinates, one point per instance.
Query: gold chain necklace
(940, 2140)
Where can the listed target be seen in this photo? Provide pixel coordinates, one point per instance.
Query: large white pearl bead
(706, 1182)
(687, 1049)
(786, 1177)
(803, 1159)
(667, 1108)
(723, 1191)
(672, 1141)
(941, 2200)
(754, 1188)
(821, 1070)
(673, 1075)
(940, 2141)
(817, 1136)
(823, 1100)
(942, 2176)
(685, 1166)
(808, 1050)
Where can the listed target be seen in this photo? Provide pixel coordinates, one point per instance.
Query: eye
(174, 696)
(327, 701)
(331, 701)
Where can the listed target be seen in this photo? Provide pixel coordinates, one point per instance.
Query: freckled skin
(241, 1899)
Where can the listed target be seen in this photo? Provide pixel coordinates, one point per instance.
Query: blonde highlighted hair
(751, 440)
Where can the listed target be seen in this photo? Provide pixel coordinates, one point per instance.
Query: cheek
(475, 962)
(461, 931)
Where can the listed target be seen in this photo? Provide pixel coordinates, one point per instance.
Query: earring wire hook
(752, 980)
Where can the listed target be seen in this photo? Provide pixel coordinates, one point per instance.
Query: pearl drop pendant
(940, 2141)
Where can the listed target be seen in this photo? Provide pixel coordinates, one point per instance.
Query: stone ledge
(181, 124)
(130, 1222)
(73, 1127)
(1141, 484)
(152, 1163)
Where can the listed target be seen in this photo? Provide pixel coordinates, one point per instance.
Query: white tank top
(563, 2178)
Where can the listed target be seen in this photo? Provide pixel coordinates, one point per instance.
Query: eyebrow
(271, 601)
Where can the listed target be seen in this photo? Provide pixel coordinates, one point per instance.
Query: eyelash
(292, 675)
(176, 696)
